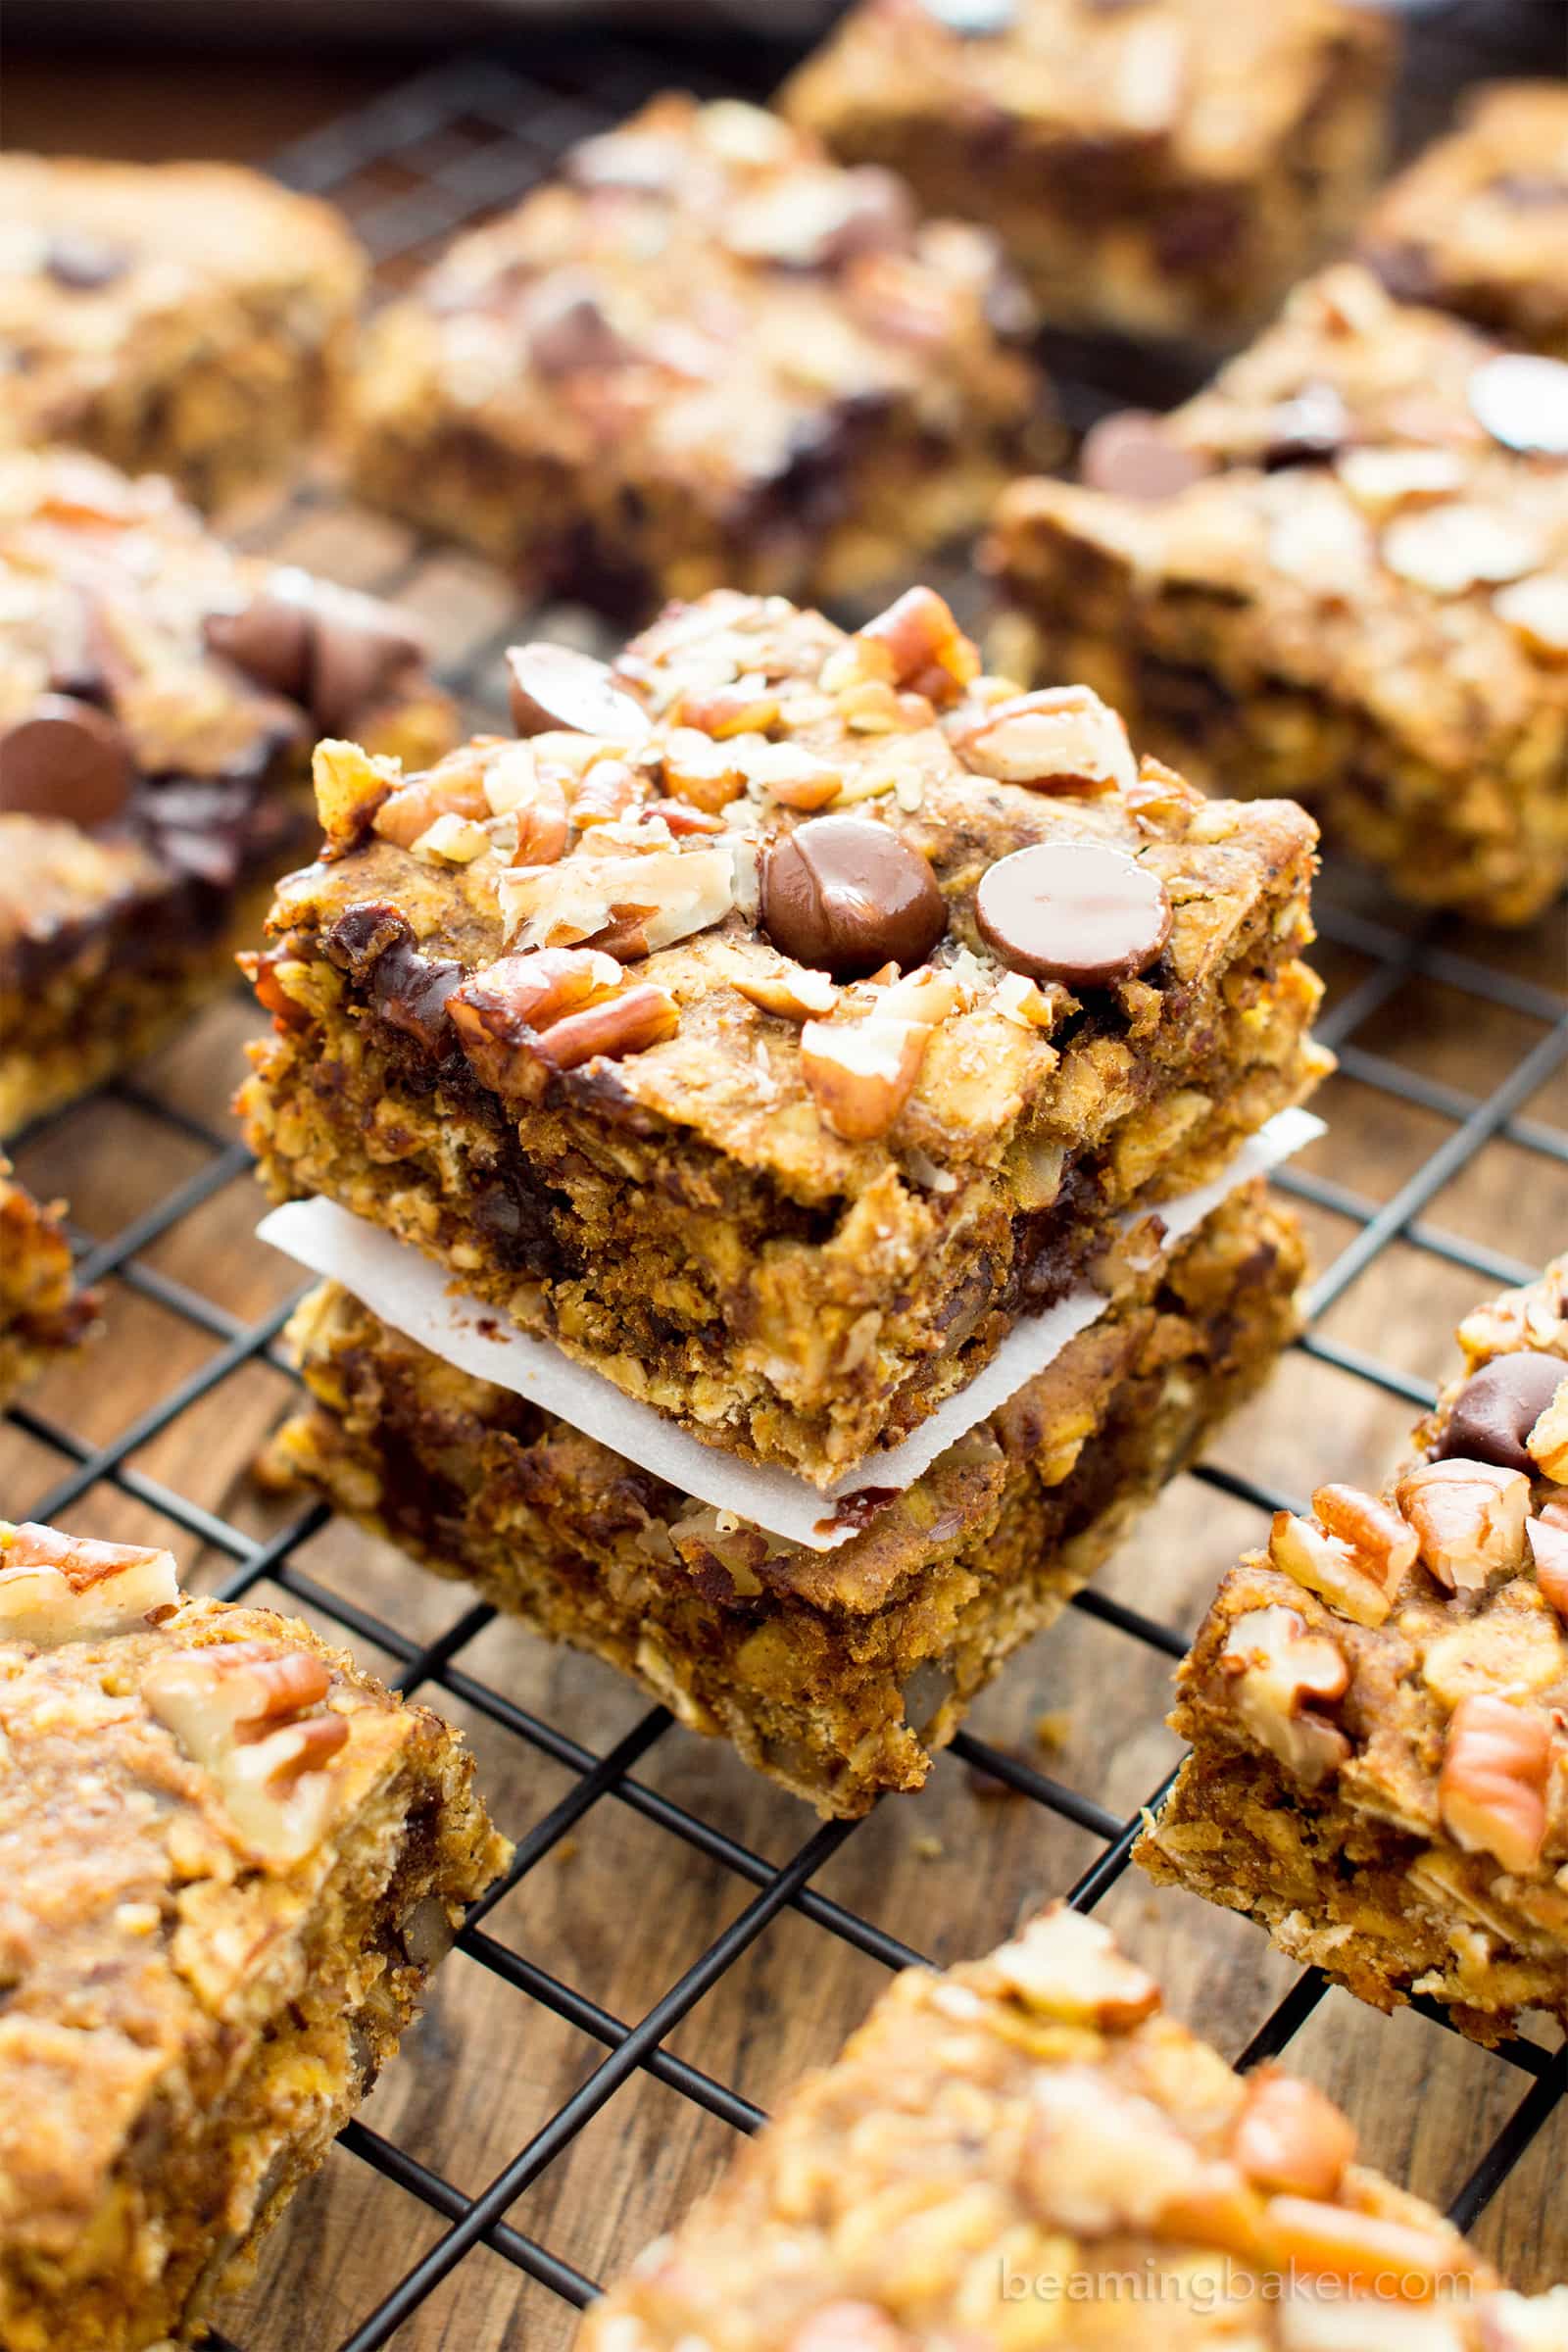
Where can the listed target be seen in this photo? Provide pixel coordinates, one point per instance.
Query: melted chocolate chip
(1497, 1408)
(65, 760)
(1078, 912)
(82, 262)
(338, 653)
(1522, 401)
(857, 1510)
(846, 895)
(552, 686)
(411, 992)
(1132, 456)
(568, 327)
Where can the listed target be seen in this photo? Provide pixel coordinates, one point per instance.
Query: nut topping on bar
(1068, 1965)
(238, 1709)
(56, 1588)
(1493, 1786)
(1469, 1519)
(1425, 1850)
(552, 686)
(1522, 400)
(1057, 739)
(1289, 2138)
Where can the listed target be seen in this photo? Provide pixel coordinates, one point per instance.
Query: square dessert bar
(42, 1313)
(1376, 1703)
(158, 696)
(183, 318)
(838, 1673)
(1479, 224)
(229, 1861)
(1166, 168)
(704, 356)
(1025, 2151)
(786, 1017)
(1342, 573)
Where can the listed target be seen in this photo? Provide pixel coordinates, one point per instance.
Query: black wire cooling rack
(453, 143)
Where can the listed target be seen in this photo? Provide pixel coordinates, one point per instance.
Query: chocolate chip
(568, 327)
(1496, 1409)
(269, 639)
(1522, 401)
(65, 760)
(338, 653)
(1311, 429)
(1132, 456)
(846, 895)
(1078, 912)
(554, 686)
(84, 263)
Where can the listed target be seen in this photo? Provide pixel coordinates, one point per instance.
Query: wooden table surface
(620, 1907)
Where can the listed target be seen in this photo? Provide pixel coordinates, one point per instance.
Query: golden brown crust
(216, 1839)
(1479, 222)
(692, 1211)
(42, 1313)
(185, 318)
(1146, 169)
(1375, 1705)
(702, 355)
(837, 1673)
(1026, 2151)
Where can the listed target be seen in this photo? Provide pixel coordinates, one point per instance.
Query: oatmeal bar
(1379, 1774)
(784, 1018)
(1026, 2151)
(839, 1673)
(229, 1861)
(1479, 224)
(1166, 168)
(158, 696)
(1342, 573)
(42, 1313)
(183, 318)
(703, 356)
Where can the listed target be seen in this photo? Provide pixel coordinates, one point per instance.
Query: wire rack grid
(453, 144)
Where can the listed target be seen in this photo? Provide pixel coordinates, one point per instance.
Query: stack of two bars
(783, 1046)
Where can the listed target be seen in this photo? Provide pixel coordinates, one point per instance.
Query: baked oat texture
(43, 1315)
(1026, 2151)
(1479, 224)
(1353, 590)
(703, 356)
(1160, 170)
(1379, 1775)
(794, 1212)
(183, 318)
(229, 1860)
(839, 1674)
(158, 696)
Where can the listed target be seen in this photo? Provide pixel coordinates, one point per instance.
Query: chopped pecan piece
(1549, 1549)
(794, 991)
(1492, 1791)
(454, 788)
(750, 706)
(1274, 1665)
(1290, 2138)
(1069, 1967)
(1397, 2261)
(349, 787)
(629, 1023)
(1325, 1563)
(498, 1013)
(634, 902)
(930, 653)
(607, 791)
(1382, 1542)
(1469, 1519)
(861, 1074)
(56, 1588)
(1058, 739)
(238, 1709)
